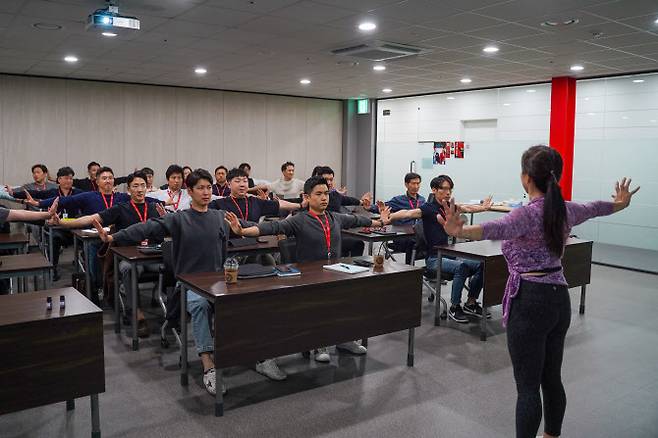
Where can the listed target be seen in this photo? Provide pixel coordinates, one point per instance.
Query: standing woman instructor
(536, 305)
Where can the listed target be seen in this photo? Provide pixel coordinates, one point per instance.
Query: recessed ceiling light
(490, 49)
(70, 58)
(624, 117)
(109, 34)
(656, 22)
(532, 90)
(200, 71)
(367, 26)
(47, 26)
(577, 67)
(587, 98)
(466, 81)
(450, 98)
(386, 90)
(506, 104)
(591, 114)
(305, 81)
(379, 67)
(638, 81)
(653, 120)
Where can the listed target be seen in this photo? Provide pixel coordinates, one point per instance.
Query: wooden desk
(274, 316)
(15, 241)
(576, 262)
(26, 265)
(49, 357)
(401, 231)
(86, 240)
(134, 258)
(267, 245)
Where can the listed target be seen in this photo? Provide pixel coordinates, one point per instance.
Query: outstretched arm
(237, 228)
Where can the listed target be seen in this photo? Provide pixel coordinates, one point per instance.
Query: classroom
(294, 218)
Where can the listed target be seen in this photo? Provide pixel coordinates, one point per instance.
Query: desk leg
(135, 292)
(50, 254)
(370, 244)
(410, 348)
(85, 254)
(183, 334)
(95, 417)
(75, 254)
(483, 324)
(583, 289)
(437, 298)
(117, 313)
(219, 397)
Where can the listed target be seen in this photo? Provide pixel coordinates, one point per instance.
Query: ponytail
(555, 212)
(544, 165)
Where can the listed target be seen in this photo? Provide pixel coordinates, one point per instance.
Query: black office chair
(420, 251)
(169, 296)
(288, 250)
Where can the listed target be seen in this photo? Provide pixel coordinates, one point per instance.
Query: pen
(342, 265)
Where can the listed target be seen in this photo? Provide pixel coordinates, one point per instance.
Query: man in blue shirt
(410, 200)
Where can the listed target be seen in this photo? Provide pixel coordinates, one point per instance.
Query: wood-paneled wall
(69, 122)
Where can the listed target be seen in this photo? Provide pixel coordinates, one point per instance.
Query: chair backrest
(288, 250)
(421, 243)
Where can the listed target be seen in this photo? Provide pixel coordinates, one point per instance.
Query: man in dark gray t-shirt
(318, 235)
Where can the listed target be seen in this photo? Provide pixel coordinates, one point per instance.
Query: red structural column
(563, 121)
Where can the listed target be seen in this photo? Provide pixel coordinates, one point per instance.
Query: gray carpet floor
(459, 387)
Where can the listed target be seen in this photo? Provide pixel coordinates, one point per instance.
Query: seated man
(221, 188)
(40, 177)
(337, 200)
(410, 200)
(287, 187)
(60, 237)
(199, 237)
(318, 234)
(435, 235)
(122, 216)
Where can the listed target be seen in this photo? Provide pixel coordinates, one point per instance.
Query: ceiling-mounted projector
(109, 19)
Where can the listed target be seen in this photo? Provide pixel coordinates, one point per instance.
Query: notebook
(346, 268)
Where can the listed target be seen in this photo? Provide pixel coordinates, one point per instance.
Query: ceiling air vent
(380, 51)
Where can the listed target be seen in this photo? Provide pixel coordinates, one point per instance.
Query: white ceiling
(269, 45)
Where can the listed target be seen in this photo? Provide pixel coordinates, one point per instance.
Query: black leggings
(538, 322)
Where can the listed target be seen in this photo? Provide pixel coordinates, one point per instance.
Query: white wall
(497, 126)
(67, 122)
(617, 136)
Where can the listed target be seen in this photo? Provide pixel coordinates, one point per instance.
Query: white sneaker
(322, 355)
(353, 347)
(210, 381)
(270, 369)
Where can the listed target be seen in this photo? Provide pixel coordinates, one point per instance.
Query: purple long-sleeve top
(524, 246)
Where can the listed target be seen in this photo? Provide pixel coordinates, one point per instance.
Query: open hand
(623, 194)
(384, 214)
(453, 224)
(261, 194)
(52, 211)
(234, 223)
(160, 209)
(102, 234)
(342, 190)
(30, 200)
(366, 200)
(488, 202)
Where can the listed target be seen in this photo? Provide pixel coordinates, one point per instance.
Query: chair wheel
(444, 315)
(164, 343)
(430, 298)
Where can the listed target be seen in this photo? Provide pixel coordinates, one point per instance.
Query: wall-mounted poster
(458, 149)
(442, 151)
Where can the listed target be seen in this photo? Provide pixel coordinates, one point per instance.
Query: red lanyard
(141, 218)
(43, 186)
(180, 194)
(326, 230)
(246, 203)
(105, 200)
(221, 190)
(411, 203)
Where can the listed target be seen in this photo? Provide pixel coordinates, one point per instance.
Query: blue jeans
(461, 270)
(200, 309)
